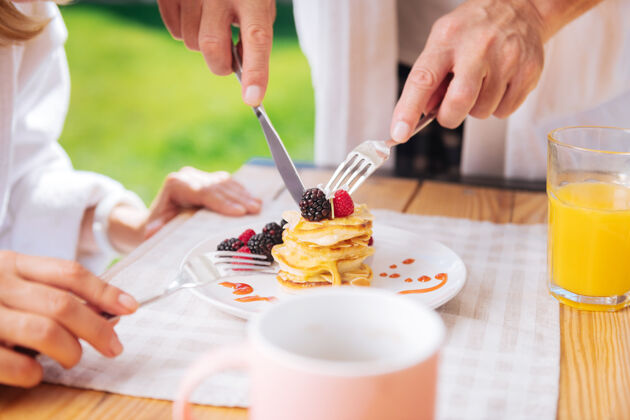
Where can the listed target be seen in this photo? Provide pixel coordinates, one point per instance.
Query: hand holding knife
(285, 165)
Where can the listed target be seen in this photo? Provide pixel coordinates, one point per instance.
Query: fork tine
(223, 254)
(230, 261)
(360, 181)
(364, 166)
(245, 267)
(346, 163)
(342, 179)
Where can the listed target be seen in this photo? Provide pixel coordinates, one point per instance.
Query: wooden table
(595, 359)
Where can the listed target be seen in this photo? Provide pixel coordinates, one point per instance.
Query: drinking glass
(588, 187)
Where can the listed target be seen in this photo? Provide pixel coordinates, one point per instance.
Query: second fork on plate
(208, 267)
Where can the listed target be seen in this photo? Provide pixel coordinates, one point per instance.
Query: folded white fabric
(46, 209)
(501, 358)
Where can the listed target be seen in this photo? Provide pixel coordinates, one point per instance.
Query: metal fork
(367, 157)
(229, 263)
(205, 268)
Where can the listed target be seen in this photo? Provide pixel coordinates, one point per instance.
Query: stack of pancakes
(328, 252)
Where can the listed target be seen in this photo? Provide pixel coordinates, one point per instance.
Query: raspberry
(275, 231)
(314, 205)
(244, 249)
(371, 241)
(232, 244)
(246, 235)
(342, 203)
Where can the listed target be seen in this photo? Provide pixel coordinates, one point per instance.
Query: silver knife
(279, 153)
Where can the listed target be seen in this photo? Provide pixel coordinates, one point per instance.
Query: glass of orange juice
(588, 186)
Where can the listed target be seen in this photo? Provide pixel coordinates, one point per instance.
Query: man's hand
(47, 305)
(492, 49)
(205, 25)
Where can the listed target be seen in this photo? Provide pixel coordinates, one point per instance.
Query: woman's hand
(184, 189)
(206, 25)
(190, 188)
(47, 305)
(493, 49)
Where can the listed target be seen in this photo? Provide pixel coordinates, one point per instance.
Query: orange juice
(589, 239)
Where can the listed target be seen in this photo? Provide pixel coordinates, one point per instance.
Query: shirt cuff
(100, 225)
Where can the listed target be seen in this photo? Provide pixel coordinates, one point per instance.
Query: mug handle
(237, 356)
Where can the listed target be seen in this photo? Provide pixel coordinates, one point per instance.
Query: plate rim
(245, 314)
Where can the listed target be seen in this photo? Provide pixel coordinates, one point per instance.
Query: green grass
(142, 105)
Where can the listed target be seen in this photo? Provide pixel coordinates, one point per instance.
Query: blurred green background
(142, 105)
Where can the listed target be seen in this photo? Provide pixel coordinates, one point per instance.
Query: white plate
(391, 246)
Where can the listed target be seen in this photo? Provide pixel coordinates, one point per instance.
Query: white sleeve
(46, 208)
(44, 197)
(351, 47)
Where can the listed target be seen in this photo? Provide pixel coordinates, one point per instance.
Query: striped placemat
(500, 360)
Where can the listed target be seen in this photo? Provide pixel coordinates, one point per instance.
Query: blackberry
(275, 231)
(283, 222)
(261, 244)
(314, 205)
(232, 244)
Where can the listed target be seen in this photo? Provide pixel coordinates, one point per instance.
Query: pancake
(325, 253)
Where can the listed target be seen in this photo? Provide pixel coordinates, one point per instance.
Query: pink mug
(342, 354)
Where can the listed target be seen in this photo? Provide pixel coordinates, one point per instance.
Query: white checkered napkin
(500, 360)
(502, 354)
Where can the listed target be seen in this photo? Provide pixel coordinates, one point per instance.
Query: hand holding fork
(366, 158)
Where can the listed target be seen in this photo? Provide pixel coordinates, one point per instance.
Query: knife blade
(281, 157)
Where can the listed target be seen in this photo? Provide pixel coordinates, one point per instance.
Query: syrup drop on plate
(255, 298)
(239, 288)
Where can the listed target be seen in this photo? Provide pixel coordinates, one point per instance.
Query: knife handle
(237, 62)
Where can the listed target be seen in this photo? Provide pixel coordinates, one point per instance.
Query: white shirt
(353, 47)
(42, 198)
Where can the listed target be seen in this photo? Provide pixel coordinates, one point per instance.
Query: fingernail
(253, 95)
(401, 131)
(114, 346)
(254, 203)
(238, 209)
(127, 302)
